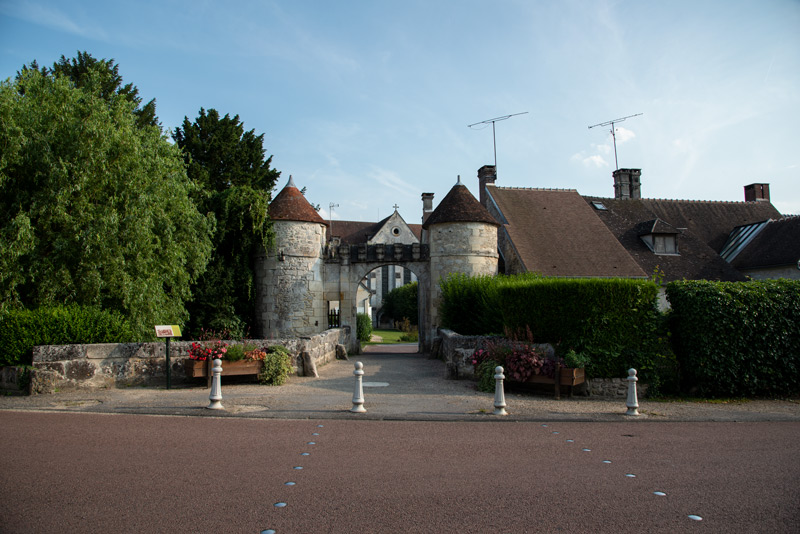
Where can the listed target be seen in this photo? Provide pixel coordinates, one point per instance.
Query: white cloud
(390, 179)
(50, 17)
(624, 135)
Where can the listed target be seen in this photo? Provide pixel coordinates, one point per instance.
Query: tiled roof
(459, 206)
(291, 205)
(778, 243)
(696, 222)
(356, 232)
(556, 233)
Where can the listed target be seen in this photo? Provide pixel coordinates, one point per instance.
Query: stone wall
(456, 351)
(68, 367)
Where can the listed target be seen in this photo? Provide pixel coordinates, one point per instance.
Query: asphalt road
(87, 472)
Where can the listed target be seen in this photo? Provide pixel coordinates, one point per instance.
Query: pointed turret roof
(291, 205)
(460, 206)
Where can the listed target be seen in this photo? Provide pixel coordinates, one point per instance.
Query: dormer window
(660, 237)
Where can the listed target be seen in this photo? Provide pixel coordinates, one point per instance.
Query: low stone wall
(456, 351)
(67, 367)
(14, 380)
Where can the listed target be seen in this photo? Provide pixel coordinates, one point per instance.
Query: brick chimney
(486, 175)
(427, 206)
(626, 184)
(756, 193)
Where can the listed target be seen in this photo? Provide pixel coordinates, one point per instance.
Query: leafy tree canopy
(95, 208)
(102, 78)
(235, 183)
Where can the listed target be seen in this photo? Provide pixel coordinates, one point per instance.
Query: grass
(389, 337)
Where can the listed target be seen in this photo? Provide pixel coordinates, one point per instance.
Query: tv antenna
(614, 133)
(330, 216)
(494, 120)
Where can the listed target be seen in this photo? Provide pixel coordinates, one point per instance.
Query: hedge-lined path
(131, 473)
(399, 384)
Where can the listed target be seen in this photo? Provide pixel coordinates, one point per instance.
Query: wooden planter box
(568, 376)
(200, 368)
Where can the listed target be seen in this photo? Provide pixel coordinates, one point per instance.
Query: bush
(363, 327)
(737, 338)
(277, 366)
(60, 325)
(410, 331)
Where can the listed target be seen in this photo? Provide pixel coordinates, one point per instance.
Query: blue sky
(366, 103)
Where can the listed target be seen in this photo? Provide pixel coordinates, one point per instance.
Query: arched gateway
(308, 267)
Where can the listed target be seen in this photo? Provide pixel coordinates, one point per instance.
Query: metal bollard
(358, 393)
(633, 402)
(216, 387)
(499, 396)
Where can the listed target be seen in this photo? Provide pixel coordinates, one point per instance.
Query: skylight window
(599, 205)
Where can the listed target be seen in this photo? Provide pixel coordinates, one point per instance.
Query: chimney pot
(627, 184)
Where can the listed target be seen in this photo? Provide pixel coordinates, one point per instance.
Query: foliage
(615, 323)
(576, 360)
(410, 331)
(59, 325)
(277, 366)
(737, 339)
(401, 302)
(235, 183)
(100, 77)
(94, 210)
(363, 327)
(484, 372)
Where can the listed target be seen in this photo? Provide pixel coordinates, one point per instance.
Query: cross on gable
(395, 207)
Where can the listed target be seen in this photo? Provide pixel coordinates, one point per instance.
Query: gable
(394, 229)
(556, 233)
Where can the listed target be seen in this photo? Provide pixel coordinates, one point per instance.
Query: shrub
(60, 325)
(410, 332)
(484, 372)
(737, 338)
(277, 366)
(363, 327)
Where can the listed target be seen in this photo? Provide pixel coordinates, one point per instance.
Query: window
(665, 244)
(599, 205)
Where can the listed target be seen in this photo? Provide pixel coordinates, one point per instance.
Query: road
(90, 472)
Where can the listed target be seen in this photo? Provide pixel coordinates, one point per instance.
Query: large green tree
(102, 78)
(95, 207)
(235, 183)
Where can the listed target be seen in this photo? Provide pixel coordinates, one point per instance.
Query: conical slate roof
(460, 206)
(291, 205)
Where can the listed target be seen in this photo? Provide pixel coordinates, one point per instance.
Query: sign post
(168, 331)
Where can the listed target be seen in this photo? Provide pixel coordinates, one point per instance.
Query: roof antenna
(614, 133)
(330, 216)
(494, 120)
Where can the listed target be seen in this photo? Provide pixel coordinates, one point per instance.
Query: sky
(367, 103)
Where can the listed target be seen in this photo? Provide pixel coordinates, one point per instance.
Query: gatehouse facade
(307, 268)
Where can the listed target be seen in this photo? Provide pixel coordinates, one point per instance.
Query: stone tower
(290, 297)
(462, 236)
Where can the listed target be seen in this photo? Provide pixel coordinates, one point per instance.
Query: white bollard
(633, 402)
(499, 396)
(216, 387)
(358, 393)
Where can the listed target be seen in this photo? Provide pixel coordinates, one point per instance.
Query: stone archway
(344, 270)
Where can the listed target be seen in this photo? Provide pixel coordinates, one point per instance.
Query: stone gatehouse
(309, 266)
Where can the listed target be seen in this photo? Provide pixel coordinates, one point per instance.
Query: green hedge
(737, 338)
(61, 325)
(615, 322)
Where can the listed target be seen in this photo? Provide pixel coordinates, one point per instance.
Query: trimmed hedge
(60, 325)
(737, 338)
(615, 322)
